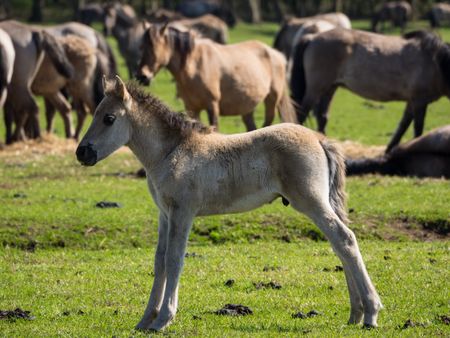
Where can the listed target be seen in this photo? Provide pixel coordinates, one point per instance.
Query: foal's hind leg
(249, 121)
(363, 296)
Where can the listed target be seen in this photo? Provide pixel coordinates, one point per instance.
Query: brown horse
(208, 26)
(398, 12)
(192, 171)
(222, 79)
(425, 156)
(87, 65)
(285, 38)
(439, 13)
(30, 45)
(414, 68)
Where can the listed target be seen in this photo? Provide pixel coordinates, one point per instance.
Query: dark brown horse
(414, 68)
(425, 156)
(398, 12)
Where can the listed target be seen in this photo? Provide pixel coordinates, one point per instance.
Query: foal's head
(110, 128)
(158, 46)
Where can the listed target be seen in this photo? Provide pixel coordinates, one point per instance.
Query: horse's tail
(336, 170)
(56, 53)
(286, 107)
(367, 166)
(298, 78)
(107, 50)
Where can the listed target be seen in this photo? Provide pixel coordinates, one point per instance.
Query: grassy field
(85, 271)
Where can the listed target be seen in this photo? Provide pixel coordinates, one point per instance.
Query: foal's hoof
(369, 326)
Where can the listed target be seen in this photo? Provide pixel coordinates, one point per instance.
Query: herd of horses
(65, 65)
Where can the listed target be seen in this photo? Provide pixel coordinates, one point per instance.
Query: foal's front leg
(179, 226)
(159, 283)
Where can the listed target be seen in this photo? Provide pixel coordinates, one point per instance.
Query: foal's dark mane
(172, 120)
(432, 43)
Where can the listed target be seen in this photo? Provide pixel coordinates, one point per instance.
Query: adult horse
(90, 13)
(439, 13)
(222, 79)
(7, 56)
(285, 38)
(193, 9)
(192, 171)
(398, 12)
(425, 156)
(414, 68)
(30, 45)
(208, 26)
(88, 64)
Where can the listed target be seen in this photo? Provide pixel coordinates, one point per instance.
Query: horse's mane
(182, 42)
(172, 120)
(433, 44)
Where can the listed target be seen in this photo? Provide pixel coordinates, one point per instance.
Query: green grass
(60, 254)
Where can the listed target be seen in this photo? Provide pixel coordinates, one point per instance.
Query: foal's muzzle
(86, 155)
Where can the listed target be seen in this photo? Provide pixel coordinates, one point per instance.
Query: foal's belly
(227, 204)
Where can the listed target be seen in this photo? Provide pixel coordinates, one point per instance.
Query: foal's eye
(109, 119)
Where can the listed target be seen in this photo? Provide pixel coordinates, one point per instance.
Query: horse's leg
(159, 283)
(63, 106)
(419, 118)
(402, 126)
(321, 110)
(49, 114)
(363, 296)
(179, 225)
(81, 117)
(9, 119)
(270, 103)
(249, 121)
(213, 114)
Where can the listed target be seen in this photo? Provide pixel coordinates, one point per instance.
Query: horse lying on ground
(414, 68)
(222, 79)
(30, 45)
(192, 171)
(398, 12)
(285, 38)
(425, 156)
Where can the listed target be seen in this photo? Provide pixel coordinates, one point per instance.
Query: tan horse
(225, 80)
(425, 156)
(414, 68)
(87, 64)
(439, 14)
(192, 171)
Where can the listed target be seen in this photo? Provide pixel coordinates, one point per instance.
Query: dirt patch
(310, 314)
(16, 314)
(108, 204)
(234, 310)
(267, 285)
(409, 323)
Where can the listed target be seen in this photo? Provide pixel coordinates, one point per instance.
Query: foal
(192, 171)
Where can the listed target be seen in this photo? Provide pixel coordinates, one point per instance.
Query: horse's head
(110, 128)
(155, 52)
(158, 47)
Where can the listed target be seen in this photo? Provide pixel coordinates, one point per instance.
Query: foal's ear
(108, 85)
(120, 90)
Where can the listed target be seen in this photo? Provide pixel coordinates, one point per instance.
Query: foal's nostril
(86, 155)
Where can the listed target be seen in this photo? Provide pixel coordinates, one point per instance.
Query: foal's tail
(336, 170)
(56, 53)
(298, 78)
(286, 108)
